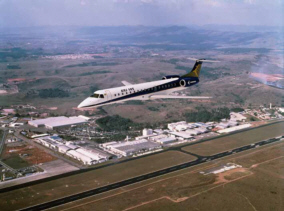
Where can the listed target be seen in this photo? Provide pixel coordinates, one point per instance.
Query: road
(1, 149)
(140, 178)
(3, 140)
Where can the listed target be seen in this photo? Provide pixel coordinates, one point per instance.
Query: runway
(140, 178)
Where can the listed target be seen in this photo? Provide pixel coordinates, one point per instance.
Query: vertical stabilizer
(195, 70)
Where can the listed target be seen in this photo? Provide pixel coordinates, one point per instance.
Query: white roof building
(158, 131)
(181, 127)
(193, 132)
(72, 146)
(88, 157)
(183, 135)
(133, 147)
(172, 126)
(55, 122)
(167, 140)
(63, 148)
(81, 157)
(88, 153)
(154, 138)
(201, 129)
(223, 125)
(232, 129)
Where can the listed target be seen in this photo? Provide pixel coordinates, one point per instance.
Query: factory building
(48, 142)
(57, 122)
(182, 135)
(224, 125)
(132, 147)
(160, 136)
(158, 131)
(232, 129)
(172, 126)
(87, 157)
(201, 130)
(193, 132)
(166, 140)
(81, 157)
(181, 127)
(63, 149)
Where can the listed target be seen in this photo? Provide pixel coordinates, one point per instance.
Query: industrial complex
(57, 122)
(78, 140)
(86, 156)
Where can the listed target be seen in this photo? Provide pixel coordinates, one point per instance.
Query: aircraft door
(108, 95)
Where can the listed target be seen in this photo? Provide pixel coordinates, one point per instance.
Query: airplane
(148, 91)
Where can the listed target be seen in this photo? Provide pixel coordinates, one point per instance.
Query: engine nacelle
(170, 76)
(185, 82)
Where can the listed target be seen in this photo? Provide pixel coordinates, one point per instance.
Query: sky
(14, 13)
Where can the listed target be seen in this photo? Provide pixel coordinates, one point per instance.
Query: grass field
(70, 185)
(236, 140)
(259, 186)
(16, 162)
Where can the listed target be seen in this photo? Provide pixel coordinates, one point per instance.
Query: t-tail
(196, 68)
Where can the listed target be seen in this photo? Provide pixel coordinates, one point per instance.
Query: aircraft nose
(84, 103)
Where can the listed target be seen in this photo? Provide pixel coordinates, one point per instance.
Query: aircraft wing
(178, 97)
(125, 83)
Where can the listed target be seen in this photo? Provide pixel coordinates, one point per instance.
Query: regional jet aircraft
(147, 91)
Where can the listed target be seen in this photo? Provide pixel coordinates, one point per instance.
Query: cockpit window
(95, 95)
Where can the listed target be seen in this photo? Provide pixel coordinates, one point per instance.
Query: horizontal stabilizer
(125, 83)
(202, 60)
(178, 97)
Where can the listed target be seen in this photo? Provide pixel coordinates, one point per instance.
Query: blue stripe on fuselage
(146, 92)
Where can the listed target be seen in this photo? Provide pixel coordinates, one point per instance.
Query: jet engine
(185, 82)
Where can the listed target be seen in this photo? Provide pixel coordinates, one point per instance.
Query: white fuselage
(142, 91)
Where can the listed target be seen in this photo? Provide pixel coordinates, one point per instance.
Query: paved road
(3, 140)
(140, 178)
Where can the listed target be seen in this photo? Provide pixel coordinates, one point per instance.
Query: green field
(16, 162)
(259, 185)
(236, 140)
(77, 183)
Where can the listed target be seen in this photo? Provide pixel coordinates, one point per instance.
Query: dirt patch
(28, 153)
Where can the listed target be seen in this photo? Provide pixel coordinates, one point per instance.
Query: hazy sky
(140, 12)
